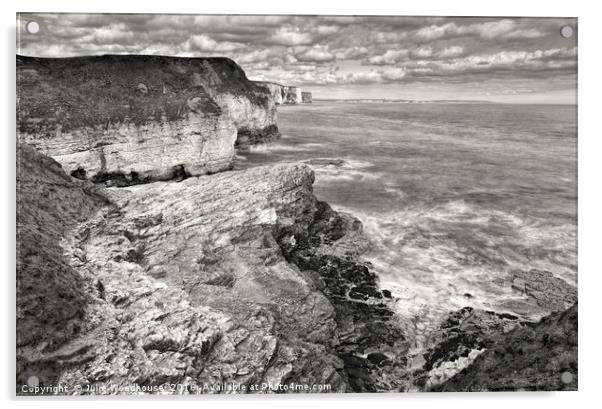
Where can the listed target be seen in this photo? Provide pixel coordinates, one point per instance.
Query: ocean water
(453, 197)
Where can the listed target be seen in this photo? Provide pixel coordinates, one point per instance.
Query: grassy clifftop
(98, 91)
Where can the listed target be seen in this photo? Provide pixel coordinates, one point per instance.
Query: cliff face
(286, 95)
(292, 95)
(276, 90)
(150, 291)
(251, 107)
(130, 119)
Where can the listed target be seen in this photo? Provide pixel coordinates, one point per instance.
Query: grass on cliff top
(97, 92)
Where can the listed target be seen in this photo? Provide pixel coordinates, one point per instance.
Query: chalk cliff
(131, 119)
(276, 91)
(292, 95)
(286, 95)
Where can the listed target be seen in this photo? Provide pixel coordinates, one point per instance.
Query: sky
(499, 59)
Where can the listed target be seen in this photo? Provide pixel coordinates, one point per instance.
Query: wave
(441, 258)
(330, 169)
(277, 147)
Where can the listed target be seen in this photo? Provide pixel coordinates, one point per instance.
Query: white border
(590, 204)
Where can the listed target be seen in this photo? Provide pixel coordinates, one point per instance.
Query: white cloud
(453, 51)
(390, 57)
(505, 28)
(423, 52)
(351, 53)
(290, 36)
(202, 42)
(317, 53)
(307, 49)
(326, 30)
(539, 60)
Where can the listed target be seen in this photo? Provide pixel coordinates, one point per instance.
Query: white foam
(417, 256)
(277, 147)
(334, 174)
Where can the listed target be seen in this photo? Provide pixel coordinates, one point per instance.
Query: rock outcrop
(286, 95)
(133, 119)
(148, 290)
(484, 350)
(292, 95)
(535, 356)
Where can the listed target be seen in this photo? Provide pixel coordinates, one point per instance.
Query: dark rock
(463, 331)
(531, 357)
(365, 323)
(377, 358)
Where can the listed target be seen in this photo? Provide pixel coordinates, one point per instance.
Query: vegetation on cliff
(103, 91)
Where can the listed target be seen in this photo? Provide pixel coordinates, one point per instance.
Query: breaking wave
(442, 258)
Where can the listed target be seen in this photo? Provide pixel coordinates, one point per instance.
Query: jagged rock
(194, 292)
(467, 338)
(458, 341)
(541, 287)
(367, 325)
(95, 116)
(536, 356)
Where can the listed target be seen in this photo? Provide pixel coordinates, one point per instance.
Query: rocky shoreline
(143, 259)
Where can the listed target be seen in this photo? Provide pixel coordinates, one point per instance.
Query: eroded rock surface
(543, 291)
(196, 292)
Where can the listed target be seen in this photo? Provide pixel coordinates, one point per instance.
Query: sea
(453, 197)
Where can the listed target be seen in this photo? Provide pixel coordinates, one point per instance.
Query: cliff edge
(125, 119)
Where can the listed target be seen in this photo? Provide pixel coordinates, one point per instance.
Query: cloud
(351, 53)
(505, 61)
(390, 57)
(324, 50)
(290, 36)
(201, 42)
(449, 52)
(423, 52)
(257, 56)
(505, 28)
(327, 30)
(317, 53)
